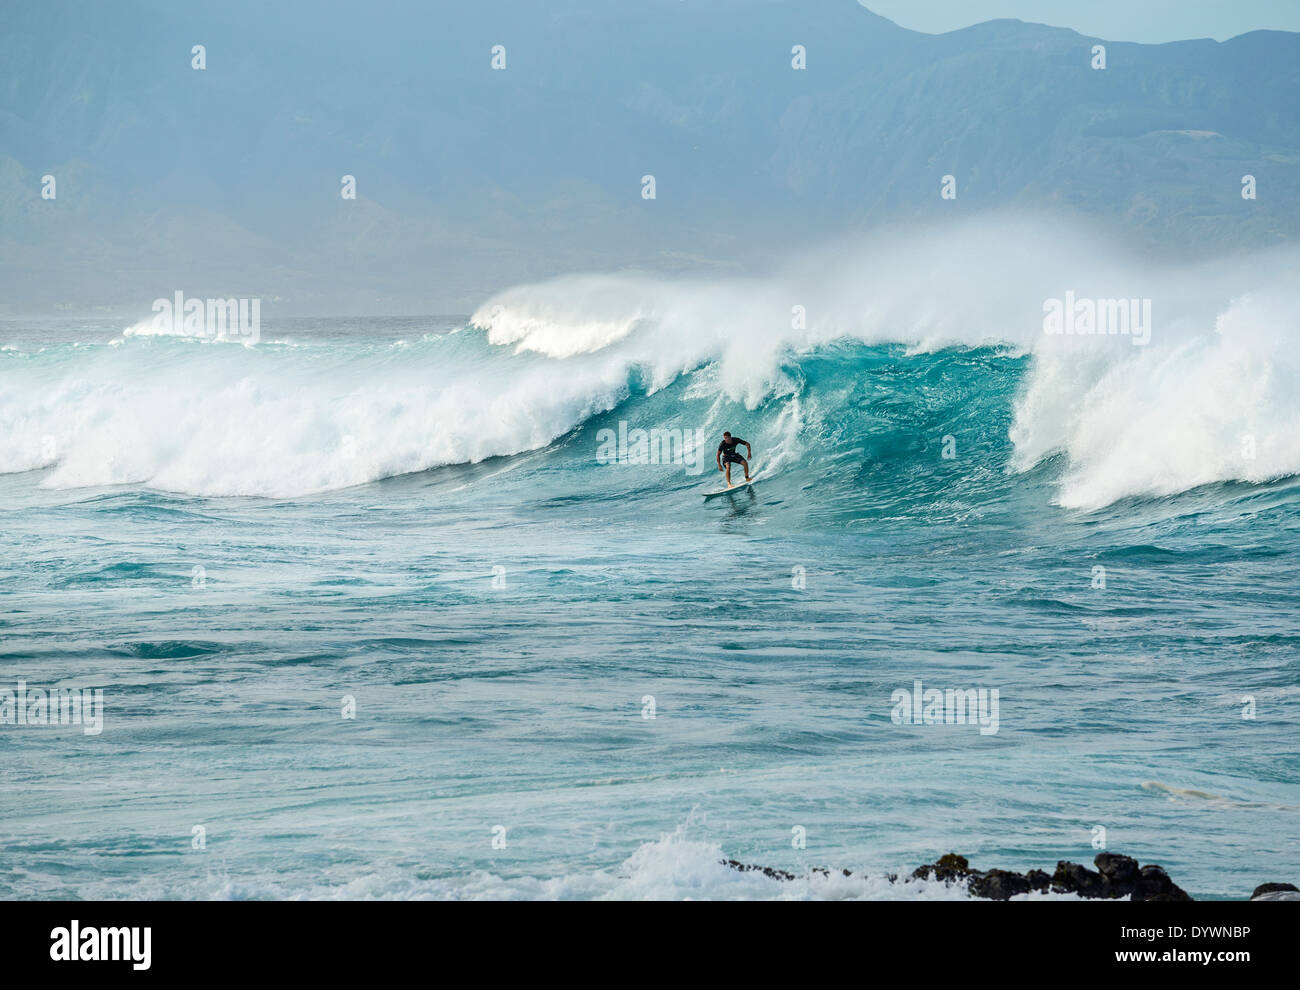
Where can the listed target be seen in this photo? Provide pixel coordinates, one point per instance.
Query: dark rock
(1154, 885)
(767, 871)
(947, 868)
(1121, 872)
(1038, 879)
(1274, 888)
(1075, 878)
(1119, 876)
(999, 885)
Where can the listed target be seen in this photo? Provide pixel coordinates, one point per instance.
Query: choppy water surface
(230, 541)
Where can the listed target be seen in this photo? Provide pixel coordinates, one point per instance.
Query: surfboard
(734, 488)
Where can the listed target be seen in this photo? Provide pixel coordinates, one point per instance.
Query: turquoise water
(403, 513)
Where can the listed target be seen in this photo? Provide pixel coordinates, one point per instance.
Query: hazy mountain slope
(226, 181)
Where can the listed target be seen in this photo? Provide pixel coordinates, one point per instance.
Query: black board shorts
(732, 458)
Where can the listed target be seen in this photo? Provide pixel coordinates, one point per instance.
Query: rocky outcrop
(1115, 877)
(767, 871)
(1276, 892)
(951, 867)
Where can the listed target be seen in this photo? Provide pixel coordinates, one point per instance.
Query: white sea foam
(1217, 383)
(184, 416)
(1201, 408)
(678, 866)
(1214, 395)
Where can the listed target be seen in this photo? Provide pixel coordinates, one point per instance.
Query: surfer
(727, 455)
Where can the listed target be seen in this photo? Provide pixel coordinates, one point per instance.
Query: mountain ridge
(469, 179)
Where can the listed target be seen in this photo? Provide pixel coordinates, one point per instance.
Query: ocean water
(421, 515)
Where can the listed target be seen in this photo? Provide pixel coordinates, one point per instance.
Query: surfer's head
(726, 435)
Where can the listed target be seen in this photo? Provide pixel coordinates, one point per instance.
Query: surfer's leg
(745, 464)
(728, 474)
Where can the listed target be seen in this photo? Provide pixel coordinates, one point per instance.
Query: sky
(1149, 21)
